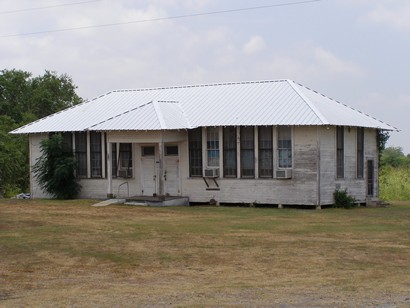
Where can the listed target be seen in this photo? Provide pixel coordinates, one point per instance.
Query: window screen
(265, 152)
(229, 151)
(247, 152)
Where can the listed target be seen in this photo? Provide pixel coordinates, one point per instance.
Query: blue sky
(355, 51)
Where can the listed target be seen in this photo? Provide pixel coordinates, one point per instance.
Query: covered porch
(149, 170)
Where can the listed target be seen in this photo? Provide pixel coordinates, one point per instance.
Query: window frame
(125, 158)
(340, 140)
(360, 152)
(114, 160)
(230, 157)
(285, 147)
(212, 146)
(265, 152)
(195, 152)
(96, 155)
(171, 153)
(145, 153)
(247, 151)
(81, 150)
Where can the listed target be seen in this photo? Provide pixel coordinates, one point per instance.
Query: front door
(370, 177)
(171, 170)
(149, 177)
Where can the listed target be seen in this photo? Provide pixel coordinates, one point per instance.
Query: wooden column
(161, 166)
(109, 170)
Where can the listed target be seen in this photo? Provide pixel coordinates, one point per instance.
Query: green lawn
(68, 253)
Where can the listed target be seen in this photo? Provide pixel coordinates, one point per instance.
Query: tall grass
(394, 183)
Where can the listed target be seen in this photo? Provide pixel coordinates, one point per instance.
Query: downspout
(160, 148)
(318, 201)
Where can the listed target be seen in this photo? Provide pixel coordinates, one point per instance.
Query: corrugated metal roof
(277, 102)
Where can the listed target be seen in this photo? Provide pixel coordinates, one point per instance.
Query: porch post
(109, 169)
(161, 166)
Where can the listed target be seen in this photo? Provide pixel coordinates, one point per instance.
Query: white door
(149, 177)
(171, 171)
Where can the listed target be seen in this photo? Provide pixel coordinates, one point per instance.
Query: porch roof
(277, 102)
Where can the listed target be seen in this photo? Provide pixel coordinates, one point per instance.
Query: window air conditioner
(284, 174)
(211, 172)
(124, 173)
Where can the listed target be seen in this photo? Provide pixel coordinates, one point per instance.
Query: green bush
(343, 199)
(11, 190)
(55, 169)
(394, 183)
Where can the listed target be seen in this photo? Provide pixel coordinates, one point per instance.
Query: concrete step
(375, 202)
(109, 201)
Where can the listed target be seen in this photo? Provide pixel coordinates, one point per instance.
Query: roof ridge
(14, 131)
(309, 103)
(347, 106)
(184, 113)
(160, 116)
(201, 85)
(120, 114)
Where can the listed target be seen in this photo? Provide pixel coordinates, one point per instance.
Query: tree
(51, 93)
(23, 99)
(23, 96)
(55, 169)
(15, 91)
(394, 157)
(14, 171)
(381, 139)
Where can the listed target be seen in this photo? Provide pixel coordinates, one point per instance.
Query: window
(114, 160)
(360, 152)
(195, 151)
(265, 152)
(125, 160)
(121, 158)
(148, 151)
(171, 150)
(284, 147)
(95, 155)
(213, 146)
(81, 154)
(370, 178)
(340, 151)
(67, 141)
(229, 150)
(247, 152)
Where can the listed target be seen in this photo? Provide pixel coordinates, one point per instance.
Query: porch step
(109, 201)
(375, 202)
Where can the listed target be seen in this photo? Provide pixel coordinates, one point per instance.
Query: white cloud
(215, 48)
(334, 64)
(398, 17)
(310, 63)
(188, 4)
(386, 108)
(254, 45)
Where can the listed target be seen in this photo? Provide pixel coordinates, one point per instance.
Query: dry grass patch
(67, 253)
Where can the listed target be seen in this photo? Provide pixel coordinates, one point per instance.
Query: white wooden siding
(35, 153)
(329, 182)
(309, 143)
